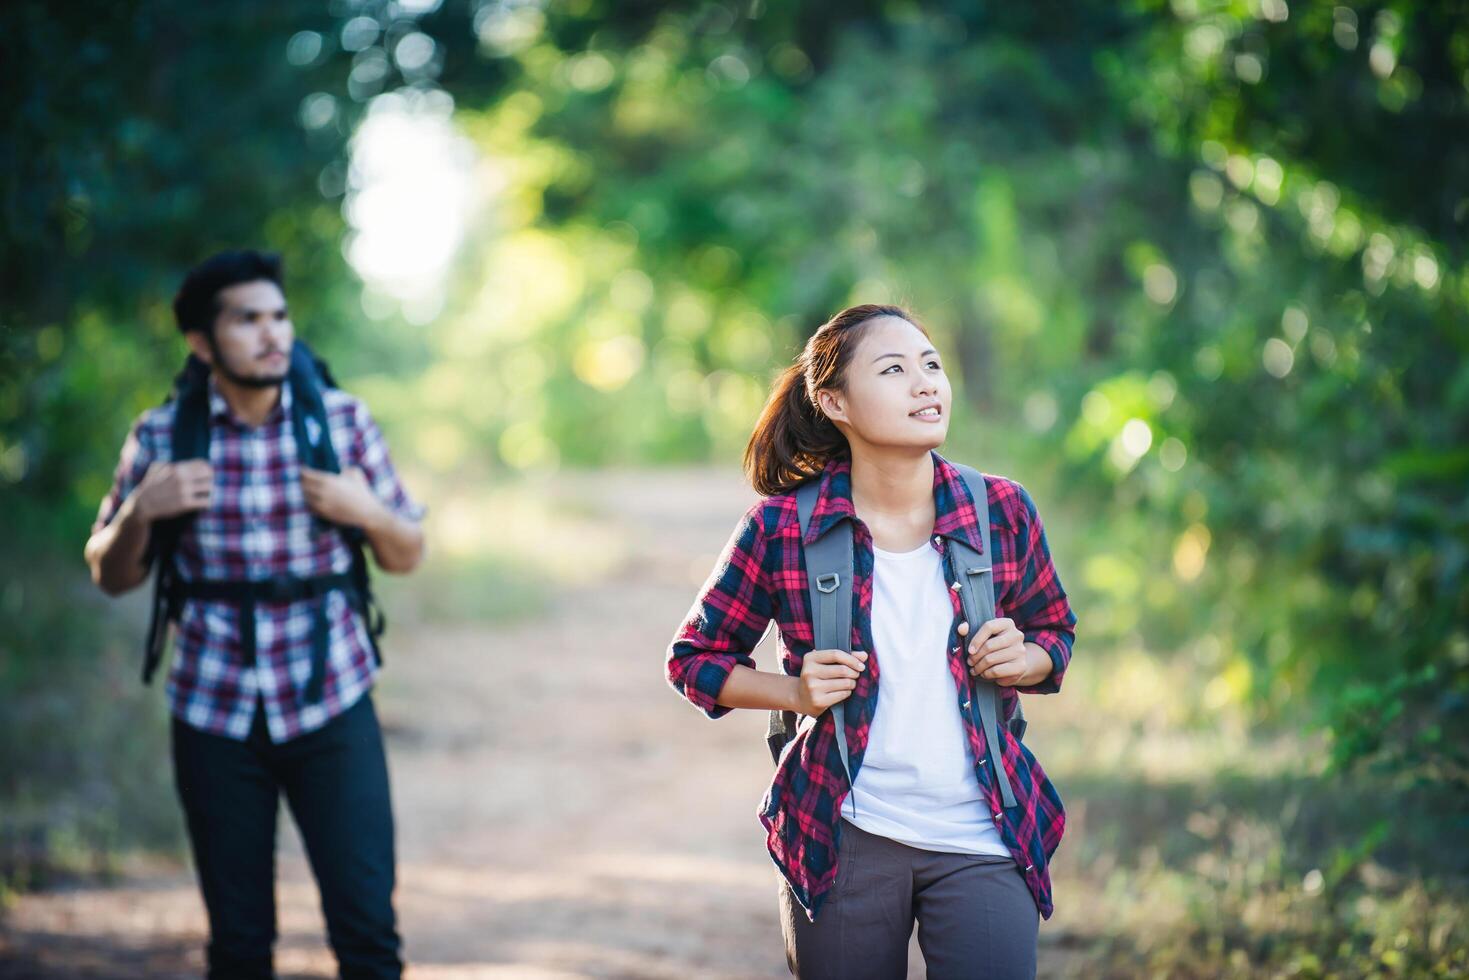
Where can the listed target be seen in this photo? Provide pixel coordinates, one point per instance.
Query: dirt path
(561, 813)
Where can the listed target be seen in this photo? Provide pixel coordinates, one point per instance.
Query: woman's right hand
(828, 677)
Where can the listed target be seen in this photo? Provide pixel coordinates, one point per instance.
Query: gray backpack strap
(974, 574)
(782, 726)
(975, 482)
(829, 569)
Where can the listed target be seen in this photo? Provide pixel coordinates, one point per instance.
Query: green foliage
(1291, 875)
(1198, 266)
(141, 137)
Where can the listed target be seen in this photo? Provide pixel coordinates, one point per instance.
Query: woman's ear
(832, 404)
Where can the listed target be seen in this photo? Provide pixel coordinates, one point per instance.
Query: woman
(919, 829)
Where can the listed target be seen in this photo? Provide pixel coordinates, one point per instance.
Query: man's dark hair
(197, 302)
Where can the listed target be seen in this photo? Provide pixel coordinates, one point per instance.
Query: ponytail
(794, 439)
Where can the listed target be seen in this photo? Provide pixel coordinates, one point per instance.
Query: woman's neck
(892, 493)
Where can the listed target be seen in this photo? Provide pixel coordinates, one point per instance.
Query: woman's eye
(895, 367)
(935, 365)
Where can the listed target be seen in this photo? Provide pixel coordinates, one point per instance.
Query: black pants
(335, 780)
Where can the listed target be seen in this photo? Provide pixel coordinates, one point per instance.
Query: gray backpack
(829, 565)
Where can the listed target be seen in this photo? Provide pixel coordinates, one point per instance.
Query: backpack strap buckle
(828, 583)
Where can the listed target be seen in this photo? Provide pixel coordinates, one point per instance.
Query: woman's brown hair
(793, 440)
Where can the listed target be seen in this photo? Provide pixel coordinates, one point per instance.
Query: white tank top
(917, 783)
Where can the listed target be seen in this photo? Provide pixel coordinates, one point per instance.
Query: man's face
(252, 336)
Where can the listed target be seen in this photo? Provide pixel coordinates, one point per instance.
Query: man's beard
(243, 380)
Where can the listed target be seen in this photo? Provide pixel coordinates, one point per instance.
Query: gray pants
(976, 917)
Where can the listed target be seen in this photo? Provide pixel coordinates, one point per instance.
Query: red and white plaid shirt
(256, 526)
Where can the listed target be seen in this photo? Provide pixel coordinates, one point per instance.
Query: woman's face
(896, 393)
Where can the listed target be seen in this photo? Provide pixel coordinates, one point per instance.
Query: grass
(84, 768)
(1212, 850)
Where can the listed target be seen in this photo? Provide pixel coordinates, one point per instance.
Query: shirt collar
(955, 515)
(220, 409)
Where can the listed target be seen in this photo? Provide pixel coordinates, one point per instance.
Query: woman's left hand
(998, 652)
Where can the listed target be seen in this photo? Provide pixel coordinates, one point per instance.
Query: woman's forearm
(749, 688)
(1038, 665)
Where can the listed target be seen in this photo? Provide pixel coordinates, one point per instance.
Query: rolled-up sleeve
(370, 452)
(1040, 607)
(726, 621)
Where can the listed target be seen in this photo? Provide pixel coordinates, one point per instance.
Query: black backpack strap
(311, 427)
(312, 375)
(974, 574)
(189, 440)
(308, 412)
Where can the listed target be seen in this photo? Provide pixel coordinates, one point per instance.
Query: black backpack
(829, 565)
(308, 377)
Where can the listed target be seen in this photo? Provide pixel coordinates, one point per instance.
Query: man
(273, 663)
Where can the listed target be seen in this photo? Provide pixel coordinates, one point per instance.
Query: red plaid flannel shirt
(257, 526)
(762, 576)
